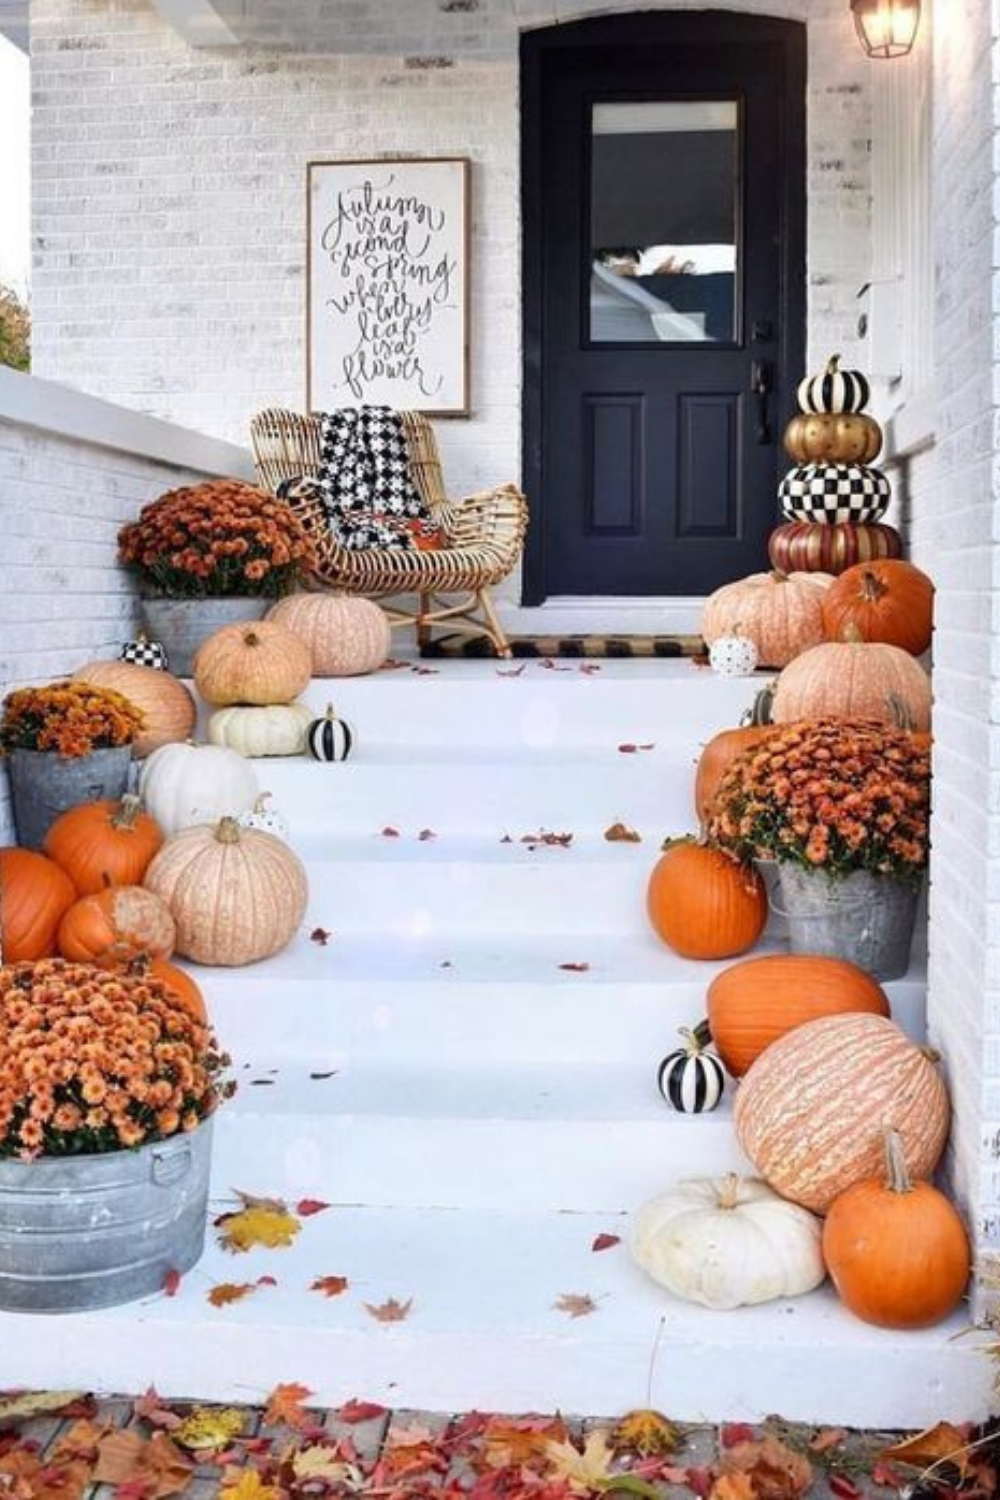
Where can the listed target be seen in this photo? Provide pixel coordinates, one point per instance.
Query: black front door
(663, 161)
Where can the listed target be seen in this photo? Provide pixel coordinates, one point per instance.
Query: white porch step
(483, 1331)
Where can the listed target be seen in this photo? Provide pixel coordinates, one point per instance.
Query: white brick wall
(169, 200)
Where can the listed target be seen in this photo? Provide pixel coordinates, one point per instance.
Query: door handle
(760, 385)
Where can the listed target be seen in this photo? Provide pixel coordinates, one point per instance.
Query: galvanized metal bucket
(862, 917)
(81, 1232)
(44, 784)
(182, 625)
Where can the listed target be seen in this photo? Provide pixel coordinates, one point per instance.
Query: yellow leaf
(936, 1445)
(22, 1406)
(323, 1463)
(230, 1291)
(647, 1433)
(246, 1484)
(210, 1427)
(268, 1225)
(586, 1471)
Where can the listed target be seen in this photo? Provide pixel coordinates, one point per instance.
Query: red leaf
(171, 1283)
(360, 1411)
(330, 1286)
(606, 1241)
(630, 749)
(306, 1207)
(134, 1489)
(266, 1281)
(731, 1433)
(575, 968)
(884, 1474)
(844, 1487)
(701, 1481)
(390, 833)
(321, 936)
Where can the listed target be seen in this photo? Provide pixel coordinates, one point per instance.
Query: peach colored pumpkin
(854, 680)
(236, 895)
(116, 923)
(811, 1111)
(346, 636)
(166, 706)
(782, 613)
(255, 662)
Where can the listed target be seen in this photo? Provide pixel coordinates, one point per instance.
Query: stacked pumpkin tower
(833, 499)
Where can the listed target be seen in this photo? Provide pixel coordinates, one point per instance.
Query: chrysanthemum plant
(69, 718)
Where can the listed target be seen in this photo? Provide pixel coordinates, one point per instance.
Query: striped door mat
(571, 645)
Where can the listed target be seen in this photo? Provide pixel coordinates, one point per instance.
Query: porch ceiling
(14, 22)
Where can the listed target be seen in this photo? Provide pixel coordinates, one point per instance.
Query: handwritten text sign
(387, 285)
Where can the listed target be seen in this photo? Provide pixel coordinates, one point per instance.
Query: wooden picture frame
(387, 284)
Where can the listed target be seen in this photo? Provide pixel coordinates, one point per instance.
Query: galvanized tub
(862, 917)
(44, 784)
(81, 1232)
(182, 625)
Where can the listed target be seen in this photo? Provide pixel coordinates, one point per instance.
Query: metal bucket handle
(171, 1164)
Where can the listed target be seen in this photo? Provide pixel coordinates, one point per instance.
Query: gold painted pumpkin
(277, 729)
(347, 636)
(236, 895)
(842, 437)
(854, 680)
(781, 613)
(255, 662)
(811, 1111)
(167, 708)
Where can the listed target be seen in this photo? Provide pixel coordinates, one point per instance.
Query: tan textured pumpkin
(167, 708)
(782, 613)
(811, 1112)
(346, 636)
(854, 680)
(841, 437)
(236, 895)
(256, 662)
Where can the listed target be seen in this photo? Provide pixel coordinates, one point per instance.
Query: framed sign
(388, 273)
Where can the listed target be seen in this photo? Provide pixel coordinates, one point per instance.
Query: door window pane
(663, 221)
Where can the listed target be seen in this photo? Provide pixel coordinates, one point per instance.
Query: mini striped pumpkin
(329, 738)
(690, 1079)
(835, 390)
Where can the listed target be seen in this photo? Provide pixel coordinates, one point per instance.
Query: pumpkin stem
(330, 714)
(832, 364)
(729, 1192)
(260, 806)
(673, 840)
(126, 812)
(251, 638)
(759, 712)
(872, 587)
(897, 1175)
(696, 1040)
(227, 831)
(778, 575)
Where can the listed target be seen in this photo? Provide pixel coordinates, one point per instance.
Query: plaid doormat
(571, 645)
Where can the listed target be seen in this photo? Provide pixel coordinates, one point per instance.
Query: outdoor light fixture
(886, 28)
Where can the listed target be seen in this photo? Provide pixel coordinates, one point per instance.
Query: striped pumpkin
(835, 390)
(811, 1112)
(818, 547)
(329, 738)
(690, 1079)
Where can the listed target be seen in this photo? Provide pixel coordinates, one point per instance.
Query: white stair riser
(402, 1162)
(572, 1019)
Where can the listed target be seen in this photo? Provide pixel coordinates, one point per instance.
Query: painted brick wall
(169, 199)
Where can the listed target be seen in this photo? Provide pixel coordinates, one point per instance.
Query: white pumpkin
(728, 1242)
(278, 729)
(265, 819)
(182, 785)
(732, 656)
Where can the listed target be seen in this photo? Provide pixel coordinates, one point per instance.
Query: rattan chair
(484, 533)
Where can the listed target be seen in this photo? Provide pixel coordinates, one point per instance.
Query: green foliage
(15, 330)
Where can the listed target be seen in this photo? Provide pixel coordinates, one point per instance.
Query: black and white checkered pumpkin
(835, 389)
(691, 1080)
(142, 652)
(834, 493)
(329, 738)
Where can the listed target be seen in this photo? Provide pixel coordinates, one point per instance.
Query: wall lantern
(886, 28)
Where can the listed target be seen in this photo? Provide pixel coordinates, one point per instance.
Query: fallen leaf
(427, 671)
(575, 968)
(23, 1406)
(607, 1242)
(307, 1207)
(775, 1471)
(700, 1482)
(736, 1486)
(246, 1484)
(228, 1292)
(941, 1443)
(270, 1225)
(360, 1411)
(151, 1408)
(320, 935)
(508, 1444)
(266, 1281)
(425, 835)
(284, 1404)
(390, 1311)
(390, 833)
(332, 1073)
(171, 1283)
(843, 1486)
(510, 671)
(884, 1474)
(583, 1471)
(506, 839)
(588, 668)
(731, 1433)
(125, 1458)
(210, 1428)
(827, 1438)
(645, 1432)
(330, 1286)
(325, 1463)
(546, 840)
(621, 833)
(576, 1304)
(630, 749)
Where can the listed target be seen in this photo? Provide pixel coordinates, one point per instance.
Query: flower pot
(862, 917)
(181, 625)
(81, 1232)
(44, 784)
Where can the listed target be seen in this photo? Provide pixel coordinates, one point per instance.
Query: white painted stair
(476, 1113)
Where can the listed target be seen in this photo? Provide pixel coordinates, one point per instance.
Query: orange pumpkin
(888, 601)
(723, 748)
(782, 613)
(257, 662)
(753, 1003)
(854, 680)
(810, 1112)
(167, 708)
(34, 894)
(704, 904)
(897, 1250)
(115, 924)
(103, 843)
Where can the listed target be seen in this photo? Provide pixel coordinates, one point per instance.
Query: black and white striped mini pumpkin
(835, 390)
(329, 738)
(834, 493)
(142, 652)
(691, 1080)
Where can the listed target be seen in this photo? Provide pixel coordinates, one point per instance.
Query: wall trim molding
(47, 406)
